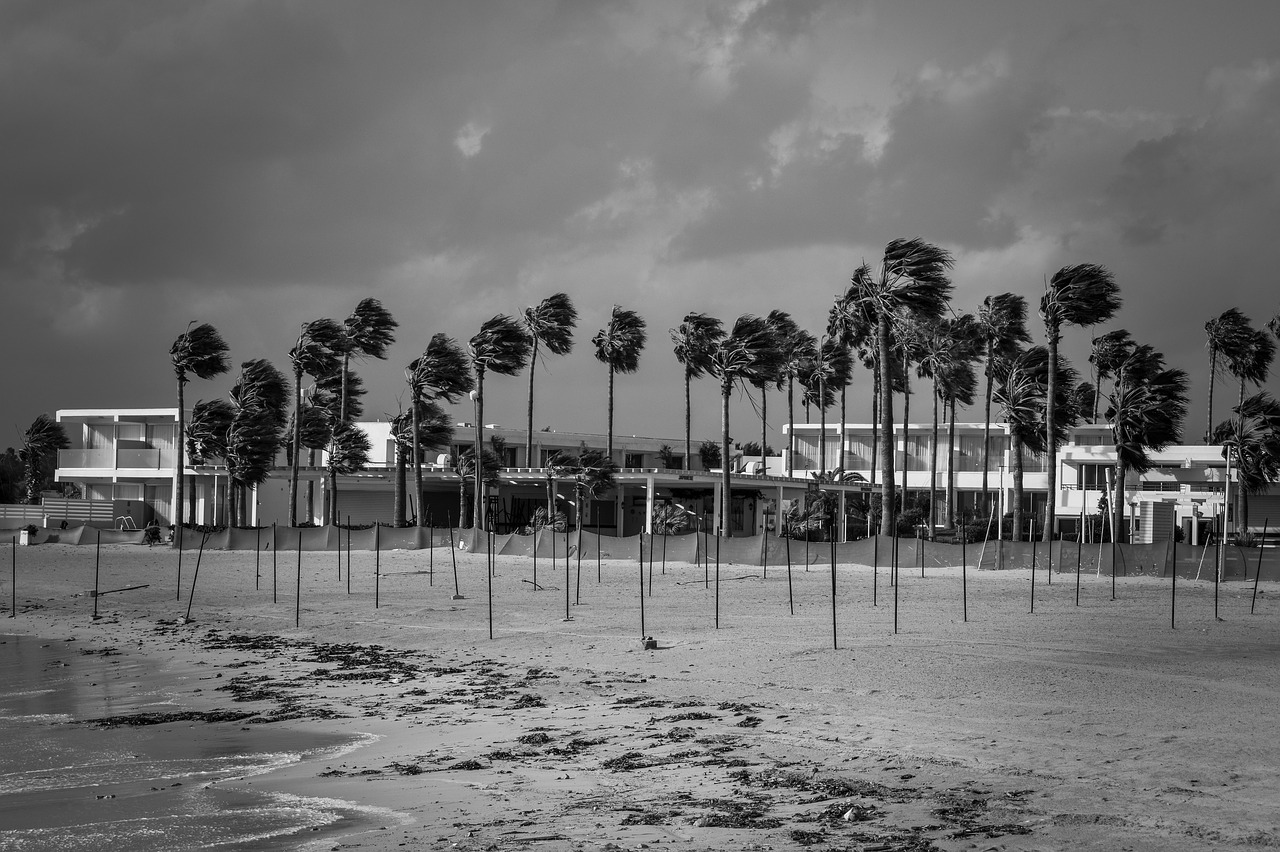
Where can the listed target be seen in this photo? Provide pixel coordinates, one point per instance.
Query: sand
(1093, 727)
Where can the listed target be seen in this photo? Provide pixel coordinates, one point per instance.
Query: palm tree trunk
(1117, 503)
(822, 429)
(1051, 437)
(1015, 447)
(886, 429)
(791, 425)
(1213, 369)
(179, 455)
(417, 466)
(608, 446)
(726, 388)
(933, 461)
(311, 487)
(398, 513)
(844, 393)
(528, 441)
(297, 448)
(478, 519)
(875, 416)
(906, 423)
(335, 517)
(986, 428)
(764, 423)
(951, 466)
(688, 421)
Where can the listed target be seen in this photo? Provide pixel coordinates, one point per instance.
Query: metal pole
(257, 556)
(191, 597)
(97, 558)
(1258, 575)
(275, 546)
(641, 542)
(833, 590)
(453, 554)
(1079, 551)
(791, 601)
(717, 579)
(297, 608)
(178, 596)
(1033, 565)
(431, 550)
(377, 565)
(348, 553)
(13, 591)
(488, 546)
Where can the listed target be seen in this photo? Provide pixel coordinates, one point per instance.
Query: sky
(255, 165)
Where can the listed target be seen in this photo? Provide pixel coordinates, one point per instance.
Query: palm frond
(501, 346)
(441, 371)
(694, 340)
(552, 322)
(1084, 294)
(200, 352)
(370, 330)
(318, 347)
(207, 430)
(620, 342)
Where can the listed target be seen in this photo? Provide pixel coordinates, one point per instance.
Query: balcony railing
(109, 460)
(78, 459)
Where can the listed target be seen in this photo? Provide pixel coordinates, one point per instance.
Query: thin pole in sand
(453, 554)
(1033, 565)
(920, 540)
(664, 550)
(875, 568)
(1219, 559)
(1173, 587)
(377, 566)
(13, 585)
(577, 592)
(791, 601)
(339, 551)
(431, 550)
(535, 560)
(297, 608)
(1258, 574)
(650, 563)
(964, 572)
(642, 633)
(348, 554)
(97, 558)
(1079, 552)
(257, 556)
(566, 572)
(834, 643)
(191, 597)
(178, 596)
(982, 554)
(764, 551)
(488, 546)
(275, 546)
(717, 579)
(706, 555)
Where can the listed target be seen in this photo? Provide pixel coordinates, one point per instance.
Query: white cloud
(470, 139)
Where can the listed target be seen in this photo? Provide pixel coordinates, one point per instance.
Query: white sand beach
(1089, 727)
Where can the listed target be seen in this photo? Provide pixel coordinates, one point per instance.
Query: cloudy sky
(258, 164)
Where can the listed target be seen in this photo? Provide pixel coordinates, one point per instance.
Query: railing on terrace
(108, 460)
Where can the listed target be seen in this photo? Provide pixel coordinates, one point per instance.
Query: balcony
(82, 459)
(137, 459)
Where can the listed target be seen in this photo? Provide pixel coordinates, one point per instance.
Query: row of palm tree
(891, 318)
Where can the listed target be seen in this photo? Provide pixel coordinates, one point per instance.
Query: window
(633, 460)
(1094, 476)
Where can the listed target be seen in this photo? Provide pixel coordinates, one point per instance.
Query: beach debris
(528, 700)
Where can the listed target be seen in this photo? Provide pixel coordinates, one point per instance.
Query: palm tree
(552, 322)
(316, 353)
(1022, 387)
(1084, 294)
(693, 341)
(912, 281)
(1251, 361)
(501, 346)
(784, 329)
(797, 350)
(207, 436)
(484, 474)
(1108, 352)
(1251, 441)
(945, 346)
(849, 323)
(618, 345)
(366, 333)
(1002, 326)
(957, 386)
(1146, 411)
(348, 453)
(749, 350)
(42, 440)
(441, 372)
(1224, 335)
(830, 367)
(431, 429)
(257, 428)
(593, 474)
(199, 352)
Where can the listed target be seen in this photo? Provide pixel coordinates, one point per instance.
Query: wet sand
(1089, 727)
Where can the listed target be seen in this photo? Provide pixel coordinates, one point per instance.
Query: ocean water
(69, 786)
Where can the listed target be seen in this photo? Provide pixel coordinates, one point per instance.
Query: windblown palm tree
(1022, 387)
(441, 372)
(1251, 361)
(367, 333)
(552, 322)
(1251, 442)
(593, 474)
(40, 443)
(853, 327)
(751, 348)
(1146, 411)
(348, 453)
(618, 345)
(784, 329)
(256, 430)
(199, 352)
(206, 438)
(797, 351)
(316, 353)
(694, 339)
(1224, 338)
(431, 429)
(912, 281)
(1085, 294)
(486, 473)
(829, 368)
(1002, 325)
(945, 346)
(1107, 353)
(957, 385)
(501, 346)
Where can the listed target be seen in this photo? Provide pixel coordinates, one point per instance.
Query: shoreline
(1087, 727)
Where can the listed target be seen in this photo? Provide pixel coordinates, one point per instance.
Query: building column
(648, 504)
